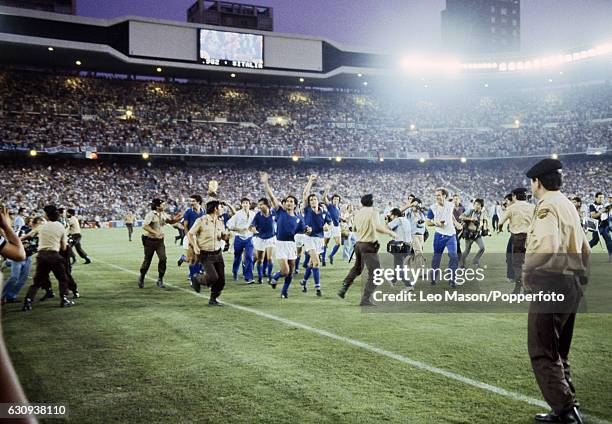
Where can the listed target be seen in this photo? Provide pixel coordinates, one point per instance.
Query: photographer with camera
(601, 212)
(20, 270)
(415, 212)
(472, 232)
(401, 245)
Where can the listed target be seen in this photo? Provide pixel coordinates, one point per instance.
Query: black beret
(543, 167)
(519, 190)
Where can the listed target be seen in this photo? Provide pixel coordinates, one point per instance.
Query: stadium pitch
(162, 355)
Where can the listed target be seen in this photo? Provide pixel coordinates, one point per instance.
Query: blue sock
(324, 254)
(270, 267)
(297, 262)
(192, 270)
(307, 273)
(334, 250)
(259, 271)
(287, 283)
(317, 278)
(277, 276)
(306, 260)
(183, 258)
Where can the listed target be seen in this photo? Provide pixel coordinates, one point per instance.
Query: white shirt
(18, 223)
(443, 213)
(403, 228)
(241, 219)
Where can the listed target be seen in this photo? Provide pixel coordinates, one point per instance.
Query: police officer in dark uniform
(557, 254)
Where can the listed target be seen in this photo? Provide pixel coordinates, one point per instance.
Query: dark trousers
(71, 283)
(152, 246)
(518, 242)
(495, 222)
(77, 246)
(214, 269)
(48, 261)
(458, 238)
(509, 267)
(549, 337)
(366, 254)
(130, 228)
(604, 232)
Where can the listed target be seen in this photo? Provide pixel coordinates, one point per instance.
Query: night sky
(394, 25)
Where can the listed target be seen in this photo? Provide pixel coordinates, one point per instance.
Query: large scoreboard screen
(225, 48)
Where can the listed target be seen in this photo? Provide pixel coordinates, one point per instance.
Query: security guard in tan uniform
(129, 223)
(367, 226)
(557, 255)
(74, 232)
(206, 237)
(153, 240)
(518, 215)
(52, 239)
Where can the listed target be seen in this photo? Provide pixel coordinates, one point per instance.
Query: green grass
(129, 355)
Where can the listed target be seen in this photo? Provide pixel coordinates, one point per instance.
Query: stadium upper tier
(71, 113)
(109, 189)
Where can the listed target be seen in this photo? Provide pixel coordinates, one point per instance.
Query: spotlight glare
(365, 83)
(78, 63)
(463, 160)
(233, 75)
(359, 75)
(295, 158)
(158, 69)
(517, 122)
(301, 79)
(412, 127)
(145, 155)
(422, 160)
(554, 156)
(33, 152)
(338, 158)
(50, 48)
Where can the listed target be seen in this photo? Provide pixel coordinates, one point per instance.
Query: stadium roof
(139, 46)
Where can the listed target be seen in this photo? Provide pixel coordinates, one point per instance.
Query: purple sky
(401, 25)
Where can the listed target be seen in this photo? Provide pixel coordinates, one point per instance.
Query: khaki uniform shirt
(208, 230)
(556, 219)
(365, 221)
(73, 225)
(50, 236)
(155, 220)
(519, 214)
(129, 219)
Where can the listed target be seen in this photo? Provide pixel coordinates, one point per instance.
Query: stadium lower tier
(109, 188)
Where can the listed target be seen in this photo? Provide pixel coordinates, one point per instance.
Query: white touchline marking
(369, 347)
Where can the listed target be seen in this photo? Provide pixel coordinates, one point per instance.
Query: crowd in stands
(107, 190)
(41, 111)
